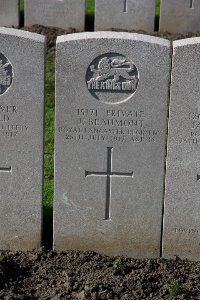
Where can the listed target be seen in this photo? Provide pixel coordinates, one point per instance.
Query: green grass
(120, 264)
(21, 6)
(49, 143)
(158, 8)
(90, 7)
(49, 127)
(175, 287)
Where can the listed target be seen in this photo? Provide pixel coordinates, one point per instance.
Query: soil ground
(74, 275)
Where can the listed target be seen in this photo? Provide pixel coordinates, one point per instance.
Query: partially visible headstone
(111, 113)
(9, 13)
(21, 138)
(182, 200)
(125, 15)
(179, 16)
(64, 14)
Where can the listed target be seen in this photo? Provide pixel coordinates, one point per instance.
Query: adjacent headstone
(179, 16)
(111, 112)
(182, 204)
(9, 13)
(66, 14)
(125, 15)
(21, 138)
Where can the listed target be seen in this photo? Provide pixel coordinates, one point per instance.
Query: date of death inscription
(118, 126)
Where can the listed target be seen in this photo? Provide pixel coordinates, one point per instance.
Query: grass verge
(49, 146)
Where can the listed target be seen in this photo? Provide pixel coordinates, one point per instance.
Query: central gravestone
(111, 112)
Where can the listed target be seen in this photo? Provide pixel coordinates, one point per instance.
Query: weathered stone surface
(21, 138)
(9, 13)
(57, 13)
(110, 142)
(125, 14)
(182, 205)
(179, 16)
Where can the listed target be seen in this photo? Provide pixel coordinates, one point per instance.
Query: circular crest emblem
(6, 74)
(112, 78)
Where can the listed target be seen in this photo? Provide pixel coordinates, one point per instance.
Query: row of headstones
(110, 145)
(176, 15)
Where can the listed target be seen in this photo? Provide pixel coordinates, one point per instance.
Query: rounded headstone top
(22, 34)
(113, 35)
(185, 42)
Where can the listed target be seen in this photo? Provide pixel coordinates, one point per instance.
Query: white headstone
(9, 13)
(182, 200)
(125, 15)
(111, 111)
(21, 138)
(64, 14)
(179, 16)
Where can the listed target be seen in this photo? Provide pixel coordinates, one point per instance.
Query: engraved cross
(125, 5)
(191, 3)
(108, 174)
(6, 170)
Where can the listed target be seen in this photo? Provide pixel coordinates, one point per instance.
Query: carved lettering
(112, 125)
(187, 230)
(191, 135)
(8, 109)
(124, 113)
(87, 112)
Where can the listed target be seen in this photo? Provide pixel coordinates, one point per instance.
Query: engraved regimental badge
(112, 78)
(6, 74)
